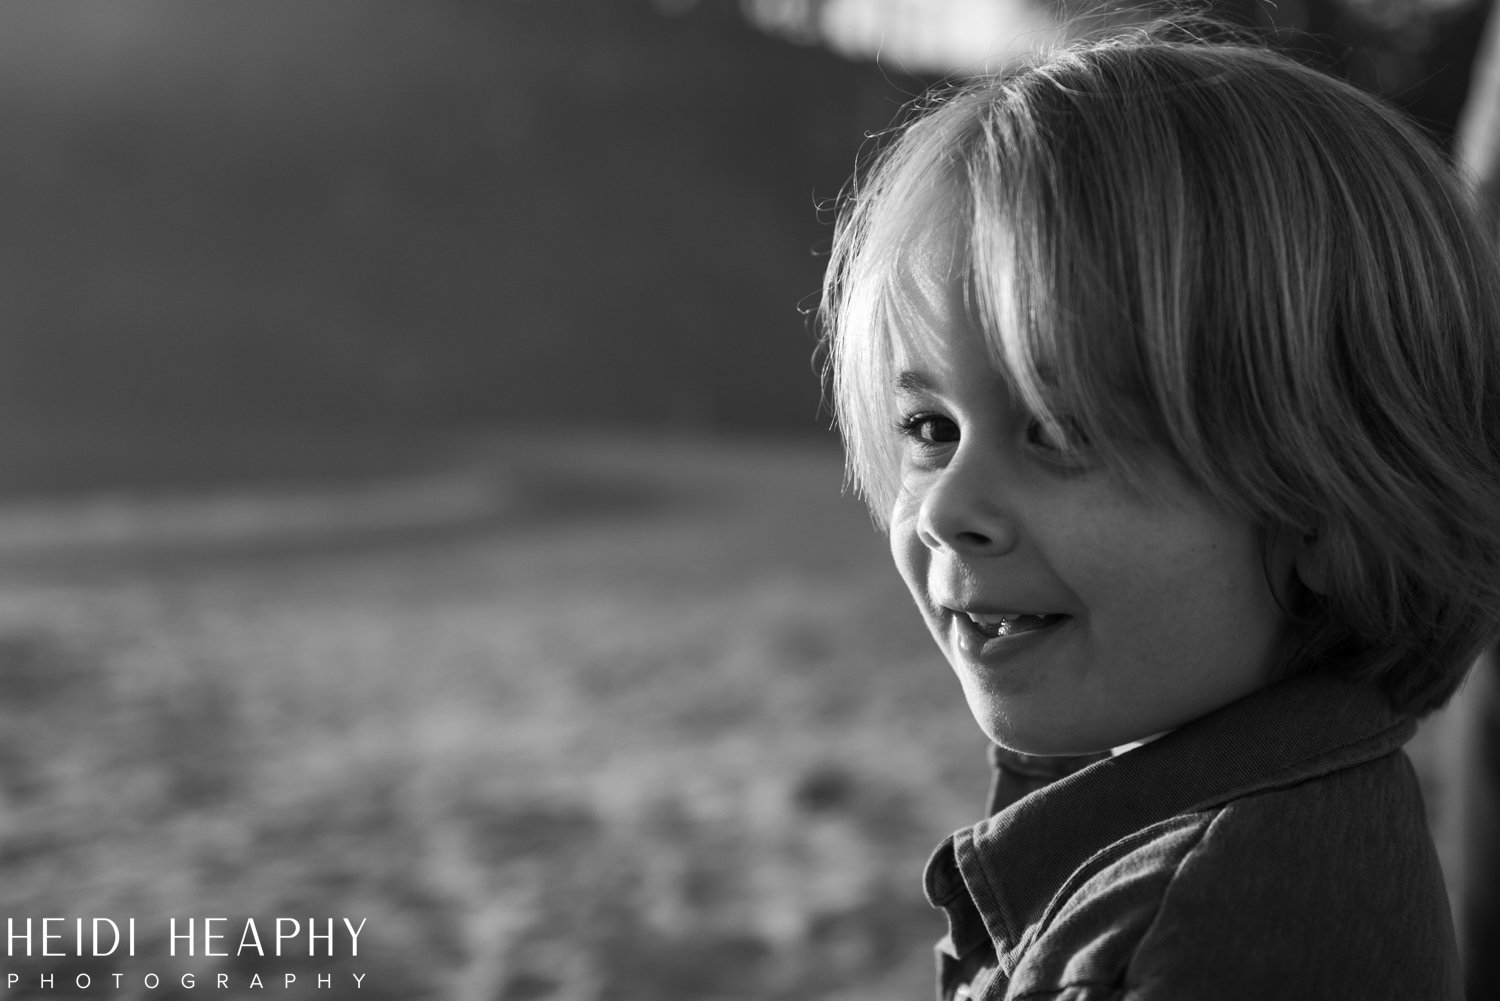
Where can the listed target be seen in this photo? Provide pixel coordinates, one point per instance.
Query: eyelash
(911, 428)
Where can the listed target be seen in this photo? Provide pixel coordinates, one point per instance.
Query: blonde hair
(1253, 268)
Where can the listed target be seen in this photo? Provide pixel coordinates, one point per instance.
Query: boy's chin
(1049, 738)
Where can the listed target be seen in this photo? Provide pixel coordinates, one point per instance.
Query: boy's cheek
(910, 557)
(903, 515)
(901, 524)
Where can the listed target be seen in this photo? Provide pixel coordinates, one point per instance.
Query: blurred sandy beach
(652, 719)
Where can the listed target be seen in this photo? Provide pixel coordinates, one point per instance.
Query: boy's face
(1124, 614)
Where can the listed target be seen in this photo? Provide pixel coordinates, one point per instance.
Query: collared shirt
(1274, 849)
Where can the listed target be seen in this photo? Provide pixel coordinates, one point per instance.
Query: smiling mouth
(1009, 623)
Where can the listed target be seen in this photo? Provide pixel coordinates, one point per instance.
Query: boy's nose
(964, 512)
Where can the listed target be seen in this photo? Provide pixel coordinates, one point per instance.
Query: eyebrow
(913, 382)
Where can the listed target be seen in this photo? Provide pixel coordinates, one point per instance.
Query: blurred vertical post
(1478, 153)
(1478, 142)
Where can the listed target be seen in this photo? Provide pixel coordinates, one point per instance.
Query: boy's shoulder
(1277, 848)
(1325, 888)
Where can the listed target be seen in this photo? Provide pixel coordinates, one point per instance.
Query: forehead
(927, 295)
(937, 304)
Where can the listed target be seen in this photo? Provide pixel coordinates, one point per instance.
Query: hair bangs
(1054, 297)
(1042, 283)
(886, 224)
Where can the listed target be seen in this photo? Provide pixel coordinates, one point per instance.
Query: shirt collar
(997, 877)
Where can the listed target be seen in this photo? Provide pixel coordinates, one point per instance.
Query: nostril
(961, 540)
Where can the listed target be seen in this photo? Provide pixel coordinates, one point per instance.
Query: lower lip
(979, 647)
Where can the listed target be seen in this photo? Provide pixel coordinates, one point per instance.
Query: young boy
(1172, 370)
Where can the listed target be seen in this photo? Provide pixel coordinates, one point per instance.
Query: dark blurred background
(415, 501)
(564, 212)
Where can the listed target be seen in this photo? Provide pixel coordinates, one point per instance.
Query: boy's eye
(932, 429)
(1068, 440)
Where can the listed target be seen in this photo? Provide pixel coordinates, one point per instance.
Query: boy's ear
(1310, 560)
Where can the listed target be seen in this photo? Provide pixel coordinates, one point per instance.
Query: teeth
(1008, 623)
